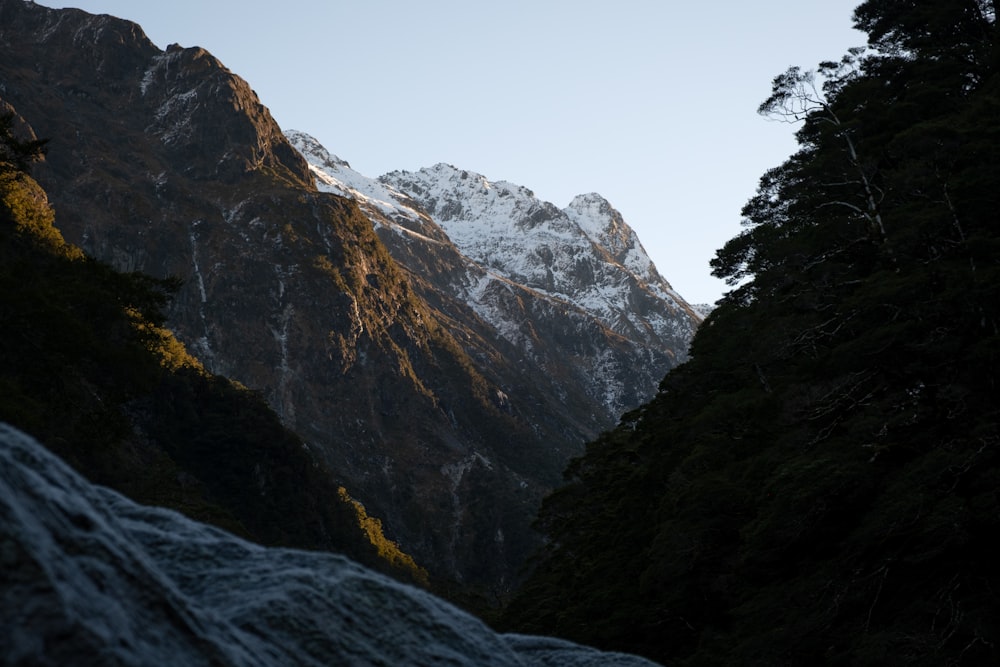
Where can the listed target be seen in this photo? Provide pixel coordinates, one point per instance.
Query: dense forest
(87, 368)
(819, 484)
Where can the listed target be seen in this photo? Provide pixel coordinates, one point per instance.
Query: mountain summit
(581, 277)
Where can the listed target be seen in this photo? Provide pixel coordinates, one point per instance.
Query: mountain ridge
(166, 162)
(583, 261)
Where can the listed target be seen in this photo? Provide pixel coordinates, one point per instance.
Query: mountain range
(442, 344)
(529, 271)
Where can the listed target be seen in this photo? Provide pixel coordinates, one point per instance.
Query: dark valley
(478, 393)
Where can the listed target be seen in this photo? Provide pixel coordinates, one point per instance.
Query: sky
(650, 103)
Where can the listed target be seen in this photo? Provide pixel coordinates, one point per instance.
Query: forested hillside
(88, 369)
(819, 484)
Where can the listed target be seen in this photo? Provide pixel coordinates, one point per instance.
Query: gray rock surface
(89, 577)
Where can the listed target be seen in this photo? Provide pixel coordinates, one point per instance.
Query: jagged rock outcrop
(166, 162)
(89, 577)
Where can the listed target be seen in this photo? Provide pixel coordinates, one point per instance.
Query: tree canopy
(819, 484)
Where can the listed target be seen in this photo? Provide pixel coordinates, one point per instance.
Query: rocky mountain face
(572, 290)
(446, 390)
(89, 577)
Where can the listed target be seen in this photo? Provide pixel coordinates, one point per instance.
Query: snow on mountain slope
(584, 255)
(384, 205)
(89, 577)
(607, 229)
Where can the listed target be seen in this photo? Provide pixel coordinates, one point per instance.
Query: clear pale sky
(651, 103)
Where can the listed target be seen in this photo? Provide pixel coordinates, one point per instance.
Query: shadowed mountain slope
(166, 162)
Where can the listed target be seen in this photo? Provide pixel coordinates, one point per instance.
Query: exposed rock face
(89, 577)
(572, 290)
(394, 369)
(582, 265)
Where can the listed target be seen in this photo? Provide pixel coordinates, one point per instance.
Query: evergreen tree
(821, 482)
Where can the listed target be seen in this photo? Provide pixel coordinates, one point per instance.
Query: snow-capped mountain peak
(583, 262)
(314, 152)
(385, 206)
(575, 254)
(336, 175)
(599, 220)
(456, 197)
(606, 227)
